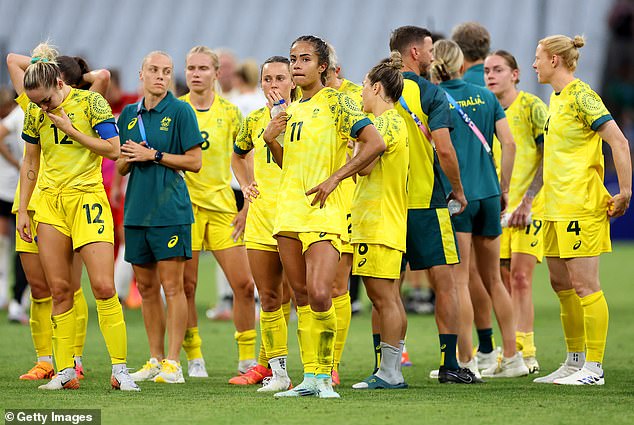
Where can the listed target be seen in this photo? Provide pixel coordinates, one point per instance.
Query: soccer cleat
(472, 365)
(245, 365)
(196, 368)
(65, 380)
(123, 381)
(583, 376)
(253, 376)
(511, 367)
(324, 388)
(460, 376)
(373, 382)
(307, 388)
(41, 370)
(79, 371)
(433, 374)
(275, 384)
(335, 378)
(531, 364)
(564, 370)
(487, 360)
(405, 361)
(171, 373)
(148, 372)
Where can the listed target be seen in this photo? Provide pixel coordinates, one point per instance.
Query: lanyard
(469, 123)
(141, 126)
(417, 120)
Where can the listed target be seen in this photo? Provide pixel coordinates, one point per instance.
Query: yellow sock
(246, 344)
(113, 329)
(286, 308)
(304, 336)
(572, 321)
(81, 321)
(63, 339)
(274, 333)
(192, 343)
(595, 318)
(324, 335)
(343, 310)
(529, 345)
(41, 326)
(263, 360)
(519, 340)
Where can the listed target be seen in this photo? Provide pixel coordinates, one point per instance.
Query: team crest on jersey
(219, 122)
(165, 123)
(315, 112)
(132, 123)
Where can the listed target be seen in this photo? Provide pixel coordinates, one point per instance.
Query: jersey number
(205, 144)
(546, 125)
(269, 156)
(573, 226)
(537, 225)
(65, 140)
(93, 207)
(296, 126)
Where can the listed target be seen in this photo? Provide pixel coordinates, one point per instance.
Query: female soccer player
(309, 229)
(480, 222)
(72, 129)
(521, 244)
(161, 141)
(379, 219)
(578, 206)
(218, 226)
(261, 190)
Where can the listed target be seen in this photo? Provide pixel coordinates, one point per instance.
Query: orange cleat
(41, 370)
(79, 370)
(253, 376)
(335, 378)
(405, 361)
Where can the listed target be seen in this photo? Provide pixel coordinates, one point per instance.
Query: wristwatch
(158, 156)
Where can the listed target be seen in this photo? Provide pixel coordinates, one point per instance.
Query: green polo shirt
(477, 168)
(475, 75)
(156, 194)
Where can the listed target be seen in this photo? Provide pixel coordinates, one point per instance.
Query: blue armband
(107, 129)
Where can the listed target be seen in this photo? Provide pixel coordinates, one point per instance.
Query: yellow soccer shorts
(346, 247)
(212, 230)
(309, 238)
(523, 240)
(588, 237)
(29, 247)
(258, 233)
(374, 260)
(85, 217)
(256, 246)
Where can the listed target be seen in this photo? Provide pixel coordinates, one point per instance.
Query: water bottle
(275, 111)
(453, 206)
(504, 221)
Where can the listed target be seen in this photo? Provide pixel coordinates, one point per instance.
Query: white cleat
(511, 367)
(196, 368)
(488, 360)
(275, 384)
(531, 364)
(564, 370)
(472, 365)
(148, 372)
(433, 374)
(171, 373)
(123, 381)
(324, 388)
(307, 388)
(583, 376)
(64, 380)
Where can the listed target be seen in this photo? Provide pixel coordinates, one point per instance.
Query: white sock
(47, 359)
(576, 359)
(278, 366)
(389, 371)
(5, 253)
(68, 373)
(78, 361)
(118, 368)
(595, 367)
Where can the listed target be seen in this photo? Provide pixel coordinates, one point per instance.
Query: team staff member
(578, 206)
(160, 139)
(521, 245)
(71, 129)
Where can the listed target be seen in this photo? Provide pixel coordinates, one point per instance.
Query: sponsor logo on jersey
(172, 242)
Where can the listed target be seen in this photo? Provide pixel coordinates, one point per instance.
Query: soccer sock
(307, 351)
(192, 343)
(576, 359)
(63, 339)
(448, 351)
(324, 333)
(595, 319)
(572, 321)
(5, 250)
(390, 364)
(286, 308)
(519, 340)
(81, 321)
(113, 329)
(41, 326)
(343, 310)
(529, 349)
(376, 340)
(263, 359)
(485, 338)
(246, 344)
(274, 333)
(278, 366)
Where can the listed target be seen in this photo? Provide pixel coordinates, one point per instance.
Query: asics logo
(132, 123)
(577, 245)
(534, 243)
(172, 242)
(101, 228)
(322, 234)
(362, 262)
(443, 347)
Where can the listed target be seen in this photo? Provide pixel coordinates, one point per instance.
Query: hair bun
(578, 41)
(396, 60)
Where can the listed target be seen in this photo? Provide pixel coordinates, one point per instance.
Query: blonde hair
(565, 47)
(156, 52)
(332, 58)
(206, 51)
(388, 73)
(448, 58)
(43, 70)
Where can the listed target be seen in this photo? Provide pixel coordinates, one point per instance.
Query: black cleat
(460, 376)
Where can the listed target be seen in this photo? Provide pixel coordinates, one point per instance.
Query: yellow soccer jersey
(65, 162)
(573, 160)
(379, 206)
(314, 148)
(267, 174)
(219, 125)
(526, 117)
(23, 102)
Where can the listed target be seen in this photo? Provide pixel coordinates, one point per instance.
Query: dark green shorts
(480, 218)
(431, 240)
(151, 244)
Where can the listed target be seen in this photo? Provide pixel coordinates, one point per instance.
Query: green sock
(448, 351)
(376, 339)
